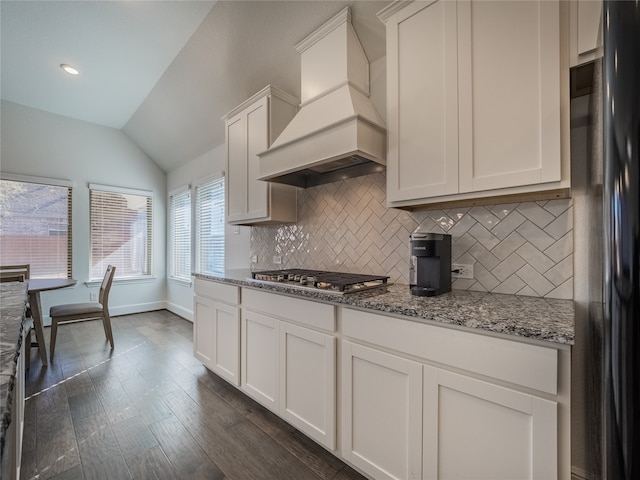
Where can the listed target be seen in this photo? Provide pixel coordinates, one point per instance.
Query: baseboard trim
(137, 308)
(180, 311)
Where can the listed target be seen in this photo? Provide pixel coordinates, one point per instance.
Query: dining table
(36, 286)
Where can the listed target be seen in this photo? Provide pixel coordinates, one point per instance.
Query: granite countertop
(13, 301)
(549, 320)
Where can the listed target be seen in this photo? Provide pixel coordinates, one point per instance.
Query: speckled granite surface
(13, 301)
(549, 320)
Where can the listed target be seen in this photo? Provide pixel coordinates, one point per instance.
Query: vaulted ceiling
(164, 72)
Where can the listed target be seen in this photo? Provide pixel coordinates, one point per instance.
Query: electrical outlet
(277, 259)
(93, 296)
(254, 259)
(461, 270)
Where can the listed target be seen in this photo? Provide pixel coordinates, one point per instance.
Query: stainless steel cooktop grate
(319, 279)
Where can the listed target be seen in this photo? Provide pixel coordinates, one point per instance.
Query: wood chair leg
(54, 333)
(106, 323)
(36, 312)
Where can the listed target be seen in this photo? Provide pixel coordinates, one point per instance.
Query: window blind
(35, 227)
(121, 231)
(180, 235)
(209, 217)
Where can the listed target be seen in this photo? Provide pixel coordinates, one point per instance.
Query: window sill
(121, 281)
(180, 281)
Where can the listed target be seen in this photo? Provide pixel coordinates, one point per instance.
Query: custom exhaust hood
(337, 133)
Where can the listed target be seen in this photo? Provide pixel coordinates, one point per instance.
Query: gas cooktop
(331, 282)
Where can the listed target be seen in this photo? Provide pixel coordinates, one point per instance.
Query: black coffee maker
(430, 264)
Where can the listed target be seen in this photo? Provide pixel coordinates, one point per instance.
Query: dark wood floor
(150, 410)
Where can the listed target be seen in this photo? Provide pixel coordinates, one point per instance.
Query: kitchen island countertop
(549, 320)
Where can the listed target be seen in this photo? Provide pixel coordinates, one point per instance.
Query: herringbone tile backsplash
(520, 248)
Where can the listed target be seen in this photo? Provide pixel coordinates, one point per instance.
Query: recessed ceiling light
(71, 70)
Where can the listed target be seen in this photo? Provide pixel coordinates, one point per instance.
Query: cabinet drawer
(218, 291)
(530, 366)
(305, 312)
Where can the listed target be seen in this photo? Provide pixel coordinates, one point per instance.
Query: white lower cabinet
(226, 355)
(260, 379)
(426, 402)
(405, 420)
(216, 330)
(417, 401)
(290, 368)
(308, 382)
(203, 330)
(476, 430)
(382, 413)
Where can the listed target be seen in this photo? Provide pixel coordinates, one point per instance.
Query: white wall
(42, 144)
(237, 251)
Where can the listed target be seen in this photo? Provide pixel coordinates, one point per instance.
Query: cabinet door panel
(589, 22)
(203, 330)
(236, 188)
(422, 102)
(226, 362)
(259, 348)
(307, 382)
(257, 130)
(382, 412)
(216, 337)
(509, 94)
(474, 429)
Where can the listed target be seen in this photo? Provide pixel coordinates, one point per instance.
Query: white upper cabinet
(586, 25)
(473, 100)
(509, 90)
(422, 101)
(250, 129)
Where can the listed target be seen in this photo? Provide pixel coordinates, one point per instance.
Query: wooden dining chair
(74, 312)
(14, 273)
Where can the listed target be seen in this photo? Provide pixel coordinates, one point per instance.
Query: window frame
(149, 228)
(52, 182)
(196, 253)
(171, 276)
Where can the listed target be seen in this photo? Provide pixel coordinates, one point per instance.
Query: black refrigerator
(605, 144)
(621, 215)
